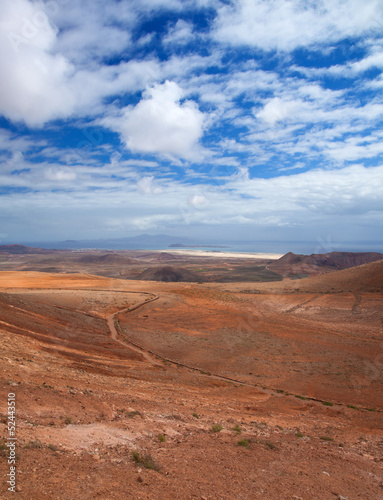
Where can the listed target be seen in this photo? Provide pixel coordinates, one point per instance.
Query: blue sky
(246, 119)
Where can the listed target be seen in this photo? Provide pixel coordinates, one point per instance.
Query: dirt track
(111, 319)
(85, 401)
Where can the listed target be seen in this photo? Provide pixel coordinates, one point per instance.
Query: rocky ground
(241, 391)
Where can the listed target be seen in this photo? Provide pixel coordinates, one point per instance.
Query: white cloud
(354, 190)
(161, 124)
(91, 30)
(287, 24)
(374, 60)
(146, 185)
(179, 34)
(308, 201)
(268, 115)
(197, 200)
(47, 75)
(278, 110)
(33, 86)
(60, 174)
(91, 86)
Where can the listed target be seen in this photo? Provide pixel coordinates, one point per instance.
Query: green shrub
(146, 460)
(243, 442)
(216, 427)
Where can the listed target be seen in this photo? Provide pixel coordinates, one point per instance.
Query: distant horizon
(133, 243)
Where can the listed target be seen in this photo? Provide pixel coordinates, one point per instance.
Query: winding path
(111, 320)
(358, 300)
(292, 309)
(153, 358)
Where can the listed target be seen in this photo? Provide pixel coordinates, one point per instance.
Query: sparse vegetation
(117, 382)
(270, 445)
(146, 460)
(53, 447)
(327, 438)
(216, 427)
(3, 448)
(36, 444)
(243, 442)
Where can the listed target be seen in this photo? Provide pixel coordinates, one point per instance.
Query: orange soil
(85, 401)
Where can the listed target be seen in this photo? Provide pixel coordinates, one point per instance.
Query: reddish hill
(164, 256)
(293, 264)
(109, 258)
(365, 278)
(168, 274)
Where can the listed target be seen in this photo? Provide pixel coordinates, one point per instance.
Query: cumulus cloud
(50, 75)
(33, 86)
(287, 24)
(161, 123)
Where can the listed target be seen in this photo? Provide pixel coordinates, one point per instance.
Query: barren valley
(240, 383)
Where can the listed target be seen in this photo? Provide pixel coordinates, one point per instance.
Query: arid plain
(226, 386)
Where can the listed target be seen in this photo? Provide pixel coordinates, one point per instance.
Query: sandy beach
(223, 255)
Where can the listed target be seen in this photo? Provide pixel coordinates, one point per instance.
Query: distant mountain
(22, 250)
(181, 245)
(292, 264)
(142, 241)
